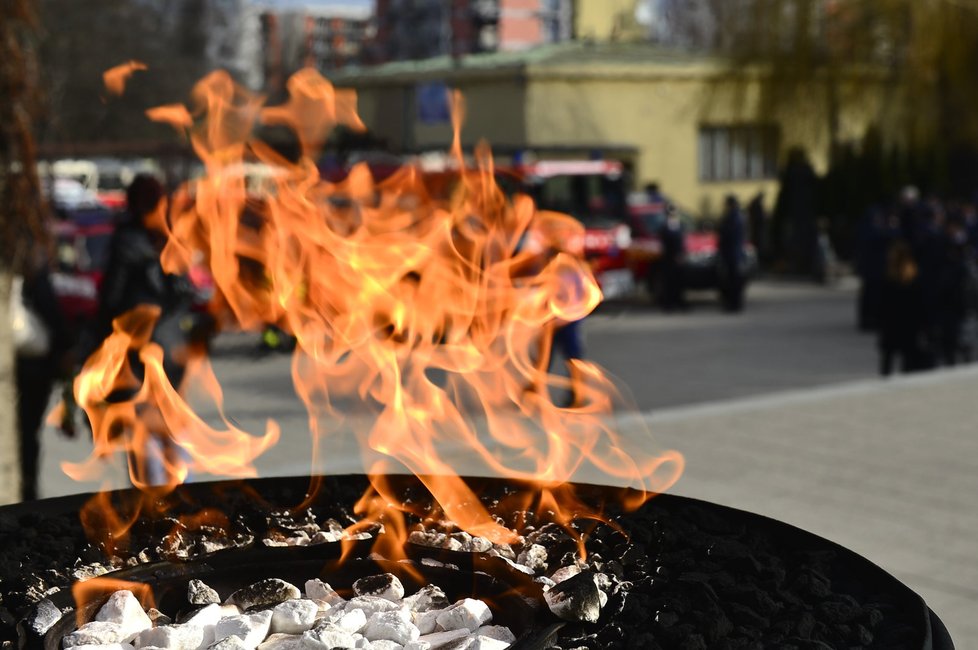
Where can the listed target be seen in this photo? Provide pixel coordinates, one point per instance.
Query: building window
(738, 153)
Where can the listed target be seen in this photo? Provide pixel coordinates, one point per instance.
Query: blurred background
(779, 199)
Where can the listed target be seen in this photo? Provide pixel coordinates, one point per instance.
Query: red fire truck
(593, 192)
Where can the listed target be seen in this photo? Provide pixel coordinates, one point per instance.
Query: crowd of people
(918, 265)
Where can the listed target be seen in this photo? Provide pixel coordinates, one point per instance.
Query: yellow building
(668, 116)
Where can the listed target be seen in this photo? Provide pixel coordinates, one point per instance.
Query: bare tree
(924, 52)
(80, 40)
(19, 206)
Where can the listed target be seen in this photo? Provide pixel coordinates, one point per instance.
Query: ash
(275, 615)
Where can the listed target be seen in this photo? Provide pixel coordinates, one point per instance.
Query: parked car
(81, 254)
(700, 268)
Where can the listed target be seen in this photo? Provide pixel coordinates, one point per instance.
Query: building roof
(573, 57)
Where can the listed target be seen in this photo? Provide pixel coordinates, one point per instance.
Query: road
(791, 336)
(777, 410)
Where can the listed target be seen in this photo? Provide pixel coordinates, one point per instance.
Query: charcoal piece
(575, 599)
(263, 593)
(712, 625)
(812, 584)
(199, 593)
(862, 636)
(840, 610)
(693, 642)
(745, 616)
(752, 596)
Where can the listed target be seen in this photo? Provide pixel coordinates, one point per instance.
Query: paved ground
(777, 411)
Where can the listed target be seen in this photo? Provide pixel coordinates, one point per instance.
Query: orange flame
(94, 590)
(175, 115)
(434, 311)
(151, 424)
(115, 78)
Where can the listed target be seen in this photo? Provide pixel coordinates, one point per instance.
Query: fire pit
(679, 573)
(433, 315)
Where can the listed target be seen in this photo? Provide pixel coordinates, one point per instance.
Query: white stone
(362, 642)
(434, 540)
(207, 616)
(186, 637)
(123, 608)
(294, 616)
(519, 567)
(323, 537)
(498, 632)
(351, 620)
(96, 633)
(393, 626)
(328, 636)
(427, 621)
(250, 628)
(428, 597)
(384, 644)
(230, 643)
(437, 640)
(107, 646)
(487, 643)
(468, 613)
(565, 572)
(534, 557)
(282, 642)
(477, 545)
(316, 589)
(370, 605)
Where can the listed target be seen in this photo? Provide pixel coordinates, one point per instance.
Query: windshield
(592, 199)
(111, 182)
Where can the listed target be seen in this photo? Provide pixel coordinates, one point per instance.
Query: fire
(115, 78)
(434, 312)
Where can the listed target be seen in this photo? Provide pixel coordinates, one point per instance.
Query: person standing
(672, 294)
(902, 324)
(41, 353)
(758, 227)
(730, 255)
(135, 277)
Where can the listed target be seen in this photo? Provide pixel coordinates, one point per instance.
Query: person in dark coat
(873, 238)
(135, 277)
(955, 289)
(730, 255)
(758, 227)
(902, 330)
(37, 368)
(672, 295)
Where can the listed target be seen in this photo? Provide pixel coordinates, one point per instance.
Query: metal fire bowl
(516, 601)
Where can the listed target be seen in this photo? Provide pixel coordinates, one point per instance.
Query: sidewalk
(886, 468)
